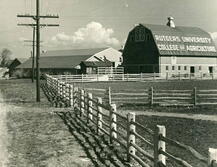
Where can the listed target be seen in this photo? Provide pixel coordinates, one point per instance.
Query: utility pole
(37, 18)
(32, 53)
(32, 56)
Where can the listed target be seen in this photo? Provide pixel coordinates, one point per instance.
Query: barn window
(173, 67)
(179, 67)
(148, 37)
(139, 34)
(167, 68)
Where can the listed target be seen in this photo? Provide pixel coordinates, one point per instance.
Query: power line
(37, 26)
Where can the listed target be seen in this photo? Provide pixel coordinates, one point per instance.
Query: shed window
(173, 67)
(185, 67)
(179, 67)
(167, 68)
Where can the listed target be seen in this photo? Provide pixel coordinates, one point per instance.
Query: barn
(169, 49)
(69, 61)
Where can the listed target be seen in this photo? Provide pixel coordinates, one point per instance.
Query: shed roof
(62, 59)
(97, 63)
(22, 60)
(16, 62)
(73, 52)
(61, 62)
(182, 40)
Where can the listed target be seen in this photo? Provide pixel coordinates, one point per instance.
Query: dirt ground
(37, 139)
(32, 134)
(4, 135)
(39, 135)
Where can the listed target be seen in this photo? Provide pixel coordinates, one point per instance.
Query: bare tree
(5, 57)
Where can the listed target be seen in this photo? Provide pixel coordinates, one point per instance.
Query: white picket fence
(136, 77)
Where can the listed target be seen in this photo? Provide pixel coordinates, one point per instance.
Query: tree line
(5, 57)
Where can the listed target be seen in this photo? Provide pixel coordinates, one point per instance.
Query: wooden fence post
(76, 99)
(212, 157)
(67, 92)
(60, 82)
(99, 115)
(131, 128)
(97, 77)
(90, 107)
(81, 102)
(151, 95)
(62, 87)
(75, 95)
(71, 95)
(109, 96)
(195, 96)
(58, 87)
(82, 76)
(158, 144)
(64, 91)
(113, 122)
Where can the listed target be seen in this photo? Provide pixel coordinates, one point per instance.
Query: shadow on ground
(97, 148)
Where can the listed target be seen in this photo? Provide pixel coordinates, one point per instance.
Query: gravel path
(176, 115)
(3, 134)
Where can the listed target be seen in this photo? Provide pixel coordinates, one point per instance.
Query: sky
(97, 23)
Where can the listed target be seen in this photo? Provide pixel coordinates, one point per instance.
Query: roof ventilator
(170, 22)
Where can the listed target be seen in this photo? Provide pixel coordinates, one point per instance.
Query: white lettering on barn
(201, 48)
(172, 38)
(183, 43)
(167, 38)
(191, 48)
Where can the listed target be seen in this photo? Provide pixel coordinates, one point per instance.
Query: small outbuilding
(13, 64)
(91, 67)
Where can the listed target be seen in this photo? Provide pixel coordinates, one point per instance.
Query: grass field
(198, 134)
(37, 137)
(164, 85)
(176, 84)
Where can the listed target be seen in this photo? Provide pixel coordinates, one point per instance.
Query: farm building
(169, 49)
(91, 67)
(69, 61)
(14, 63)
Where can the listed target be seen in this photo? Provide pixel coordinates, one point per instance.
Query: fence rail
(106, 120)
(136, 77)
(151, 96)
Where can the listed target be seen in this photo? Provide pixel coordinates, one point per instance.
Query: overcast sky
(97, 23)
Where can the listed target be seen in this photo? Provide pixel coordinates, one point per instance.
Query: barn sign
(184, 43)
